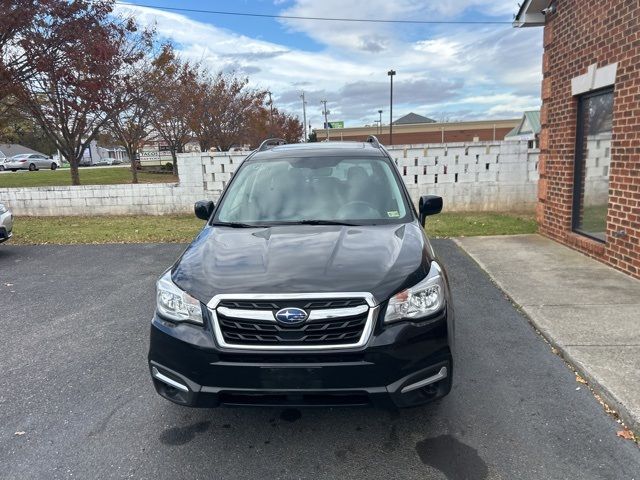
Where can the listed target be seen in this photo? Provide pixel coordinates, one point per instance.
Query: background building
(589, 166)
(10, 149)
(528, 129)
(425, 130)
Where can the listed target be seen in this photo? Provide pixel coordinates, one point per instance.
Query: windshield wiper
(323, 222)
(237, 225)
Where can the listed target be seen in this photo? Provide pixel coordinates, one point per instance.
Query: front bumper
(6, 226)
(402, 365)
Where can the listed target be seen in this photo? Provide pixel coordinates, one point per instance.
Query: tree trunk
(134, 171)
(205, 145)
(75, 175)
(174, 159)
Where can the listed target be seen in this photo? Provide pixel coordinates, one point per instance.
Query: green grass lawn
(471, 224)
(88, 176)
(183, 228)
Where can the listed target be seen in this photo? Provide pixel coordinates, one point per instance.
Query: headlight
(421, 300)
(3, 209)
(175, 304)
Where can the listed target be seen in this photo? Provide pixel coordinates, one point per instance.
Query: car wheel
(32, 167)
(1, 168)
(54, 165)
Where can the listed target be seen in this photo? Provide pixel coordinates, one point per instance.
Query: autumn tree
(74, 53)
(288, 127)
(132, 124)
(17, 15)
(18, 126)
(172, 93)
(273, 123)
(223, 108)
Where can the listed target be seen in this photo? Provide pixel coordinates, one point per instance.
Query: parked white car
(6, 223)
(28, 161)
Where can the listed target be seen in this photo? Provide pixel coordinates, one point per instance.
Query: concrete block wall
(498, 176)
(126, 199)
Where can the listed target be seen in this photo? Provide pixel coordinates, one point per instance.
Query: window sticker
(393, 214)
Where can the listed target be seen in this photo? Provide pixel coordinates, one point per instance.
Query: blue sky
(454, 72)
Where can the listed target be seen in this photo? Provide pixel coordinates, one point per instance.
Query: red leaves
(64, 59)
(626, 434)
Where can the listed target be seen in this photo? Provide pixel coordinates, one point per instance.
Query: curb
(631, 420)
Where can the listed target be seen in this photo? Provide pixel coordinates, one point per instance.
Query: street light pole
(380, 122)
(270, 115)
(325, 112)
(304, 116)
(391, 73)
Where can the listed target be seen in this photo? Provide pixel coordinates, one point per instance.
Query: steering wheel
(357, 203)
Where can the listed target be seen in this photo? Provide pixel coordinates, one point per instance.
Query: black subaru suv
(312, 283)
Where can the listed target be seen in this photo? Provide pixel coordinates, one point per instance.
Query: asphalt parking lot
(74, 379)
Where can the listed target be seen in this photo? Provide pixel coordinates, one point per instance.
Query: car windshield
(358, 191)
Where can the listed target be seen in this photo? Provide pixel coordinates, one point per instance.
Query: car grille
(251, 323)
(276, 305)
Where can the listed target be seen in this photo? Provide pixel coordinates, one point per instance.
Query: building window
(592, 159)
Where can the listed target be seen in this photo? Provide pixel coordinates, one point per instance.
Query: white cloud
(479, 71)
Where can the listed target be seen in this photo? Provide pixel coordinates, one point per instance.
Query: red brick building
(430, 132)
(589, 188)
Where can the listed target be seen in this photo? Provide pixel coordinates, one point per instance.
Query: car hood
(378, 259)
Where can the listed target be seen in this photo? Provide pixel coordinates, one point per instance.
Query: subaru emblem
(291, 316)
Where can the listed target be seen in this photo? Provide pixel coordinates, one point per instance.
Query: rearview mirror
(429, 205)
(203, 209)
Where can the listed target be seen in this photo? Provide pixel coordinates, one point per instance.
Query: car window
(352, 190)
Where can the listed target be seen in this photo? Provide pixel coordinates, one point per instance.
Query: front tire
(1, 168)
(32, 167)
(54, 165)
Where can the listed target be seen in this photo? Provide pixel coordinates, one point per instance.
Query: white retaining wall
(126, 199)
(490, 176)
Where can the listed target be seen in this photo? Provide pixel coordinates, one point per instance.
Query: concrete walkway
(587, 310)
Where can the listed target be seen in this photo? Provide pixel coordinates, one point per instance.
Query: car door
(33, 158)
(40, 161)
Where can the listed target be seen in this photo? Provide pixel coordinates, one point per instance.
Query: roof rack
(373, 140)
(270, 143)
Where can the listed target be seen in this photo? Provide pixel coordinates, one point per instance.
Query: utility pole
(325, 112)
(304, 117)
(391, 73)
(270, 115)
(380, 122)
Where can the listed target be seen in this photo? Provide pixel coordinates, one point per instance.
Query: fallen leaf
(22, 433)
(579, 379)
(626, 434)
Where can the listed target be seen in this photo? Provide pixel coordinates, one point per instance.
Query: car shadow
(338, 436)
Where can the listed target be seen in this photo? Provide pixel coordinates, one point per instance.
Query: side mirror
(203, 209)
(429, 205)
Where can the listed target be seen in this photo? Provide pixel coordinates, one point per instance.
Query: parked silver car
(6, 223)
(28, 161)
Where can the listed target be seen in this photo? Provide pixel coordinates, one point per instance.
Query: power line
(322, 19)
